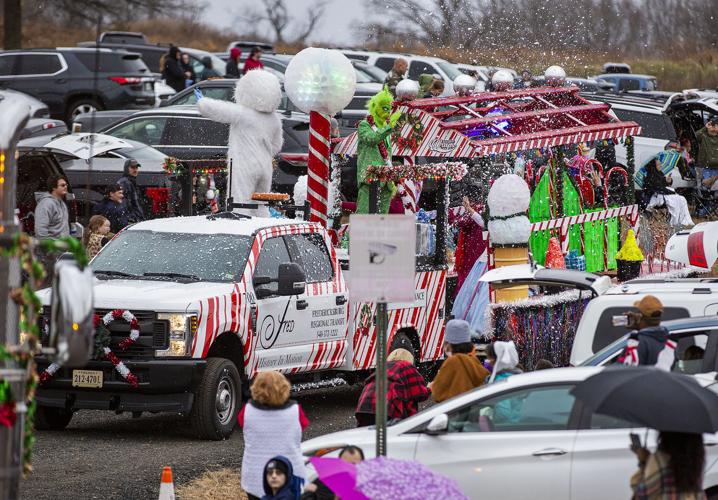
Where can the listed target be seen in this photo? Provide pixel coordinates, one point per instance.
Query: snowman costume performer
(255, 133)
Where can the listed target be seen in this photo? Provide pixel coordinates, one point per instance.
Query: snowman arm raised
(219, 111)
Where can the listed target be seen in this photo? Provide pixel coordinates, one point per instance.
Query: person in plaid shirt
(673, 472)
(406, 388)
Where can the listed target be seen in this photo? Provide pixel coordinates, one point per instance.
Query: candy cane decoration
(318, 167)
(409, 190)
(121, 368)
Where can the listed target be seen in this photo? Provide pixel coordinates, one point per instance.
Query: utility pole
(12, 24)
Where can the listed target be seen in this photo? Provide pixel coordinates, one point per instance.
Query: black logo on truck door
(271, 327)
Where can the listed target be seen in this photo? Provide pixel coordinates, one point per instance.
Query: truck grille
(154, 334)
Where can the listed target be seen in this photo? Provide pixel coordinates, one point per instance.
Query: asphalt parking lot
(108, 456)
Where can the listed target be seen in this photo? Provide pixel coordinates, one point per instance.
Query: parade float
(534, 133)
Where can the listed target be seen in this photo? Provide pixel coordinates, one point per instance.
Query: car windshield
(161, 255)
(376, 72)
(606, 353)
(142, 153)
(450, 69)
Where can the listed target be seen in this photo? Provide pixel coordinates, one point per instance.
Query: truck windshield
(160, 255)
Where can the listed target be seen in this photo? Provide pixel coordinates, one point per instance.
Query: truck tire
(48, 418)
(217, 400)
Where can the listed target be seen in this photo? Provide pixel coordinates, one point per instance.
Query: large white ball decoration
(406, 90)
(555, 75)
(516, 230)
(502, 80)
(509, 195)
(320, 80)
(464, 84)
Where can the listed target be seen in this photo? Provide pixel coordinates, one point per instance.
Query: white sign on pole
(382, 250)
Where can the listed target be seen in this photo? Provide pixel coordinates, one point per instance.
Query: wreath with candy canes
(102, 343)
(416, 135)
(365, 319)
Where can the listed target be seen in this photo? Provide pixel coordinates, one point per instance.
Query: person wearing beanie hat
(461, 371)
(280, 483)
(648, 344)
(232, 69)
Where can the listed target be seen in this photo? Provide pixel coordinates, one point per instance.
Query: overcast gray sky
(340, 17)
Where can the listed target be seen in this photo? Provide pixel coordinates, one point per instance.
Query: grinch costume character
(374, 148)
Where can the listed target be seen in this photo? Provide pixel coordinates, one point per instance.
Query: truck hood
(148, 294)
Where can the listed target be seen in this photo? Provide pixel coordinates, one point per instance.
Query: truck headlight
(182, 327)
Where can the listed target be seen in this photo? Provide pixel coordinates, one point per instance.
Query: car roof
(62, 49)
(699, 322)
(202, 224)
(636, 76)
(650, 105)
(671, 286)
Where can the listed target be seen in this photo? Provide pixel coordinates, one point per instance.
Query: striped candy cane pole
(318, 167)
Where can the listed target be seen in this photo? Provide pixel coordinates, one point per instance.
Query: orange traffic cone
(167, 487)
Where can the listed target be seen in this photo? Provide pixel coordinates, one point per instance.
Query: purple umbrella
(339, 476)
(390, 479)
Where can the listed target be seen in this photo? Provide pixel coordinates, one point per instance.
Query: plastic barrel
(511, 256)
(11, 439)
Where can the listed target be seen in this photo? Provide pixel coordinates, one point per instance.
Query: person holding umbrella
(675, 470)
(640, 395)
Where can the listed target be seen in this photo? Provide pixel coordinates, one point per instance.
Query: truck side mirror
(72, 330)
(292, 280)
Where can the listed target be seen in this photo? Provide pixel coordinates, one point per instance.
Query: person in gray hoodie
(51, 217)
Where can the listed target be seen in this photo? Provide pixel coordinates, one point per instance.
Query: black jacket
(173, 73)
(651, 341)
(133, 205)
(654, 183)
(116, 213)
(232, 69)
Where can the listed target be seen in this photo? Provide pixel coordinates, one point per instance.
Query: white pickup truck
(219, 298)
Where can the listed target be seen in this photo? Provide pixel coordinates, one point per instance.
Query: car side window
(606, 332)
(38, 64)
(274, 252)
(628, 84)
(8, 64)
(417, 68)
(690, 353)
(148, 130)
(599, 421)
(385, 63)
(220, 93)
(546, 408)
(310, 252)
(190, 131)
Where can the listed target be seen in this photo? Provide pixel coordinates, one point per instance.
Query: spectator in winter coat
(674, 471)
(96, 235)
(52, 219)
(272, 425)
(505, 361)
(435, 89)
(471, 242)
(461, 371)
(173, 74)
(112, 207)
(648, 343)
(208, 71)
(707, 160)
(397, 74)
(253, 61)
(425, 80)
(405, 389)
(190, 77)
(128, 182)
(232, 70)
(656, 192)
(280, 483)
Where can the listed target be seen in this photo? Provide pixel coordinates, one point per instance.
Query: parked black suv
(65, 79)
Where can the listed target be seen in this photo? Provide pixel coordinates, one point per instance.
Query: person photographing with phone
(648, 343)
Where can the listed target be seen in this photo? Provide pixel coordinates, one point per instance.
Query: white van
(681, 298)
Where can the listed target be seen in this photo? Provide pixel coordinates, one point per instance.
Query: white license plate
(86, 378)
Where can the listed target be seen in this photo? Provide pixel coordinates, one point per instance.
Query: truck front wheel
(48, 418)
(217, 400)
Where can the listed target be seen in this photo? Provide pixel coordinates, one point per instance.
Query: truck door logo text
(270, 328)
